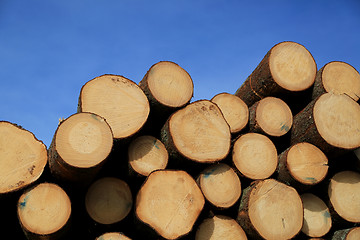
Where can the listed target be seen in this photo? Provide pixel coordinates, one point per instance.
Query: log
(220, 227)
(108, 200)
(255, 156)
(113, 236)
(119, 100)
(270, 116)
(169, 202)
(329, 122)
(317, 218)
(301, 165)
(23, 158)
(220, 185)
(167, 86)
(337, 77)
(344, 195)
(270, 210)
(347, 234)
(44, 212)
(288, 67)
(235, 111)
(147, 154)
(198, 133)
(80, 147)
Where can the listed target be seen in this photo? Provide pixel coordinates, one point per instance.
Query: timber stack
(278, 159)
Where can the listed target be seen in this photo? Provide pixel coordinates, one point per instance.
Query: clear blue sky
(50, 48)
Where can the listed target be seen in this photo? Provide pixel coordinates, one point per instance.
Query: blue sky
(50, 48)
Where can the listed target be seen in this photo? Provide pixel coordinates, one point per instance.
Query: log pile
(278, 159)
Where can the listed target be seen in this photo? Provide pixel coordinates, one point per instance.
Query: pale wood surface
(113, 236)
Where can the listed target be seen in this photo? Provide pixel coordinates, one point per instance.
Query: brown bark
(329, 122)
(80, 146)
(287, 67)
(270, 210)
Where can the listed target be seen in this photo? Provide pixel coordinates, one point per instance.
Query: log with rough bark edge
(108, 200)
(147, 154)
(220, 185)
(255, 156)
(344, 195)
(270, 116)
(330, 122)
(302, 164)
(119, 100)
(347, 234)
(197, 132)
(220, 227)
(22, 158)
(169, 202)
(167, 86)
(317, 218)
(113, 236)
(235, 111)
(337, 77)
(44, 212)
(288, 67)
(80, 147)
(270, 209)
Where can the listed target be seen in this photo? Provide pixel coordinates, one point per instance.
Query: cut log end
(337, 119)
(169, 84)
(169, 202)
(275, 210)
(344, 195)
(119, 100)
(84, 140)
(147, 154)
(220, 185)
(292, 66)
(255, 156)
(273, 116)
(340, 77)
(235, 111)
(199, 132)
(220, 227)
(306, 163)
(113, 236)
(23, 158)
(44, 210)
(317, 218)
(108, 200)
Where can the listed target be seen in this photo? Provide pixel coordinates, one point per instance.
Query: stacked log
(279, 159)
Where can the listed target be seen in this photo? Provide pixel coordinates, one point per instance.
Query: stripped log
(255, 156)
(301, 165)
(220, 227)
(220, 185)
(317, 218)
(80, 147)
(169, 202)
(270, 210)
(119, 100)
(44, 212)
(22, 158)
(344, 196)
(197, 132)
(108, 200)
(235, 111)
(270, 116)
(287, 68)
(330, 123)
(147, 154)
(337, 77)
